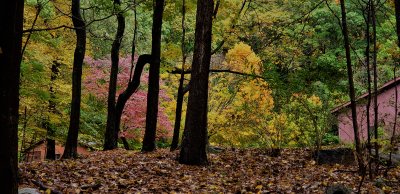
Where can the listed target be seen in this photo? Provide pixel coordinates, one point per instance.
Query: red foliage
(134, 115)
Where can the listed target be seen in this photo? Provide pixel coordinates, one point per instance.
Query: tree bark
(351, 87)
(154, 77)
(374, 66)
(194, 143)
(179, 100)
(51, 143)
(132, 87)
(79, 54)
(11, 22)
(368, 106)
(397, 13)
(111, 134)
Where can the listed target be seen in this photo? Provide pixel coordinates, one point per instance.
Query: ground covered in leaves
(231, 171)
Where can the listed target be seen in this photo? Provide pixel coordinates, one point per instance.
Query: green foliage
(295, 46)
(330, 139)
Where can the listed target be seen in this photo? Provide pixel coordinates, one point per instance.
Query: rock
(337, 189)
(343, 156)
(28, 191)
(214, 149)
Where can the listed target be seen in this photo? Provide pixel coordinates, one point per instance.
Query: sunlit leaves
(239, 106)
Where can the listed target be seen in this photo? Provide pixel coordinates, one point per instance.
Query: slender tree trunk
(132, 87)
(351, 88)
(79, 54)
(154, 78)
(374, 66)
(133, 83)
(51, 143)
(179, 100)
(23, 140)
(368, 107)
(11, 21)
(111, 134)
(194, 143)
(125, 142)
(134, 39)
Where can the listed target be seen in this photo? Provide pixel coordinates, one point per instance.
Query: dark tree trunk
(178, 115)
(397, 11)
(374, 66)
(111, 135)
(154, 77)
(368, 107)
(179, 100)
(51, 143)
(133, 84)
(351, 87)
(195, 140)
(125, 142)
(11, 21)
(79, 54)
(132, 87)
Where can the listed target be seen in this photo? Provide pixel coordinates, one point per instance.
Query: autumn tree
(79, 54)
(154, 78)
(195, 140)
(351, 86)
(10, 59)
(239, 105)
(111, 135)
(131, 103)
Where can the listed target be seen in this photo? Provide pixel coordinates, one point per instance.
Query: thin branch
(47, 29)
(133, 42)
(69, 27)
(232, 27)
(179, 71)
(39, 9)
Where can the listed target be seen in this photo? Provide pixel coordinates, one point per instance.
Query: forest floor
(231, 171)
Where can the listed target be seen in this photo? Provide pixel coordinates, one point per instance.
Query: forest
(199, 96)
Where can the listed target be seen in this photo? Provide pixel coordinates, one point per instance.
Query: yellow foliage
(242, 58)
(239, 107)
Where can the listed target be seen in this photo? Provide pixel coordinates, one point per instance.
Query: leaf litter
(230, 171)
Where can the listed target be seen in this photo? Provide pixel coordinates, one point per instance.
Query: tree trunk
(132, 87)
(368, 106)
(111, 134)
(374, 66)
(79, 54)
(397, 11)
(11, 22)
(126, 144)
(154, 77)
(179, 100)
(133, 83)
(51, 143)
(351, 87)
(195, 140)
